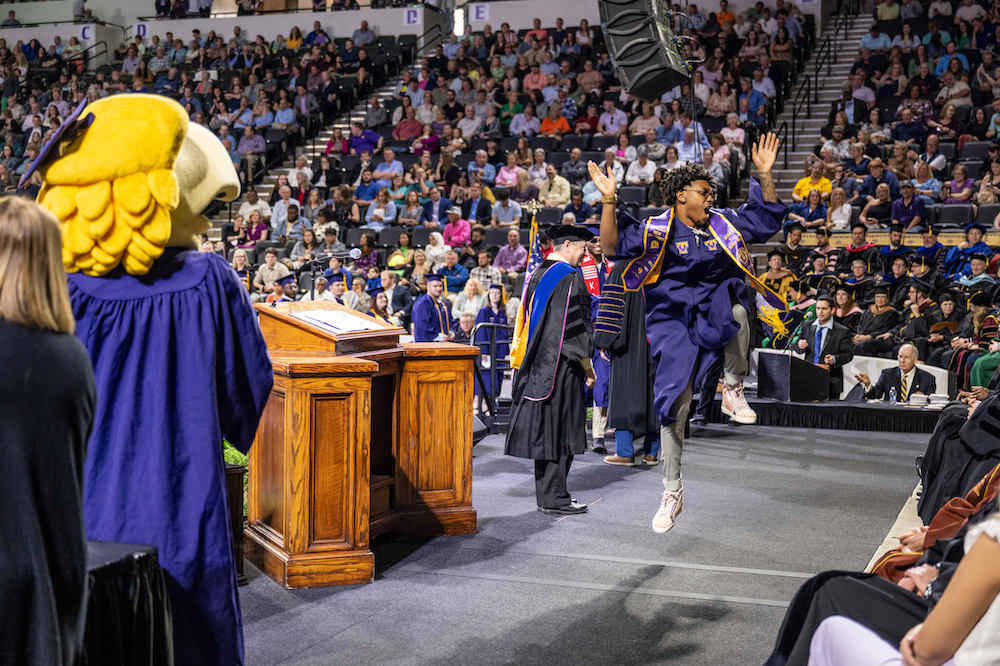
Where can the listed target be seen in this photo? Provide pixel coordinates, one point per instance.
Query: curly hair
(677, 179)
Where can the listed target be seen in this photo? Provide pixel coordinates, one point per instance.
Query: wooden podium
(783, 376)
(361, 435)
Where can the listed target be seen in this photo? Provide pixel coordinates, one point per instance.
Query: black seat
(549, 215)
(975, 150)
(354, 236)
(389, 237)
(986, 214)
(632, 194)
(497, 237)
(955, 215)
(420, 237)
(571, 141)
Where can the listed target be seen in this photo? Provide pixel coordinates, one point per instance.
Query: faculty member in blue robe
(180, 363)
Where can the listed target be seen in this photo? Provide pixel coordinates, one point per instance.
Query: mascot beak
(204, 174)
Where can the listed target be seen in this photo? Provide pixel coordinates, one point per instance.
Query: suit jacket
(838, 344)
(444, 204)
(483, 212)
(923, 382)
(402, 301)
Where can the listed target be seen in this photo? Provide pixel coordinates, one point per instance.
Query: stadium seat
(549, 216)
(571, 141)
(649, 211)
(496, 237)
(546, 143)
(986, 214)
(975, 150)
(354, 236)
(602, 143)
(389, 237)
(631, 194)
(954, 215)
(420, 237)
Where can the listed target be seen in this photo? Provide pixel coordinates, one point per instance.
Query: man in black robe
(620, 334)
(552, 357)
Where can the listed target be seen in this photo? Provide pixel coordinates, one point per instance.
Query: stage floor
(764, 509)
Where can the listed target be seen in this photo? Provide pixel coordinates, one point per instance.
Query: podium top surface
(323, 326)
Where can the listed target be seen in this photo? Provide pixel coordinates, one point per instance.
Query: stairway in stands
(311, 150)
(807, 126)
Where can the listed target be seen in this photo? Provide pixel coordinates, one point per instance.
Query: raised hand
(765, 152)
(606, 183)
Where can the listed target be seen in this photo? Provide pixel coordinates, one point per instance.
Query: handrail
(797, 106)
(827, 53)
(782, 133)
(35, 24)
(422, 39)
(90, 56)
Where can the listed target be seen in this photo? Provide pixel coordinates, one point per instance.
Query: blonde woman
(470, 300)
(838, 213)
(413, 276)
(49, 405)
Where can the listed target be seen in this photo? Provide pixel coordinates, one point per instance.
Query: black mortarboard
(929, 230)
(570, 232)
(981, 298)
(921, 285)
(496, 286)
(844, 286)
(975, 225)
(821, 231)
(981, 257)
(336, 277)
(896, 227)
(795, 225)
(285, 280)
(882, 288)
(922, 260)
(946, 296)
(775, 252)
(375, 291)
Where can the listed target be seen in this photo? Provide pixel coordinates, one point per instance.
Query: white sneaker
(734, 404)
(670, 508)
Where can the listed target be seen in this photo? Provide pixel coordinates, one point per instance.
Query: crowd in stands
(495, 120)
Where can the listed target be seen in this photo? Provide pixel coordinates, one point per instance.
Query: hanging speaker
(640, 40)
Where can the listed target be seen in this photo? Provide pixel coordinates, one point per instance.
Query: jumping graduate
(431, 318)
(692, 262)
(552, 358)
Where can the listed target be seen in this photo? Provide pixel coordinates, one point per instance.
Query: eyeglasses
(704, 192)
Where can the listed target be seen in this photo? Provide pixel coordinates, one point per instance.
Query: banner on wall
(413, 16)
(479, 12)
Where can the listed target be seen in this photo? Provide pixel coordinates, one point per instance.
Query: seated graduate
(827, 342)
(897, 279)
(901, 382)
(956, 261)
(818, 277)
(894, 248)
(860, 248)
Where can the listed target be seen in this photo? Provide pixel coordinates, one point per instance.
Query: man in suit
(477, 209)
(827, 342)
(400, 300)
(907, 379)
(436, 210)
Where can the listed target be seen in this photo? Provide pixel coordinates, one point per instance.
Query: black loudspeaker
(641, 42)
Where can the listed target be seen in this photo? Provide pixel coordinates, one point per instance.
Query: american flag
(534, 247)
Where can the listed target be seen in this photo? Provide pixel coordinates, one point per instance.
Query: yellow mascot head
(133, 183)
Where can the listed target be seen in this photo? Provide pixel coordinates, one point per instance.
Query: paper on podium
(337, 321)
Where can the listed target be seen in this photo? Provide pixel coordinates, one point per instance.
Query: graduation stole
(530, 313)
(590, 274)
(646, 268)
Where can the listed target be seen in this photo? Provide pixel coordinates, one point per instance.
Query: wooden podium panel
(354, 445)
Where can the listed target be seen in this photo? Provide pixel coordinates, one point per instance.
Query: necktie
(906, 387)
(818, 344)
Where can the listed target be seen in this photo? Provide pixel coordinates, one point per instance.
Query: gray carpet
(764, 508)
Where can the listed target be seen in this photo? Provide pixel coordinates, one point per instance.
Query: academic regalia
(889, 254)
(867, 253)
(180, 363)
(875, 325)
(621, 329)
(48, 404)
(935, 255)
(850, 320)
(488, 316)
(548, 420)
(689, 316)
(864, 290)
(823, 282)
(956, 261)
(795, 259)
(962, 360)
(548, 387)
(594, 276)
(431, 319)
(372, 312)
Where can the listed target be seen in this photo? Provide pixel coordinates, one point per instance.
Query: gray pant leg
(737, 365)
(672, 441)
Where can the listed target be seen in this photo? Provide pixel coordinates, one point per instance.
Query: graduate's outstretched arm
(764, 153)
(608, 187)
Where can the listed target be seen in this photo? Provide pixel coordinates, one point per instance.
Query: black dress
(549, 416)
(47, 404)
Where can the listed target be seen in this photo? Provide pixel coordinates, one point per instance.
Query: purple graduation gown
(180, 363)
(689, 316)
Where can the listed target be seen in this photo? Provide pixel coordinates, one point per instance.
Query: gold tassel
(772, 317)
